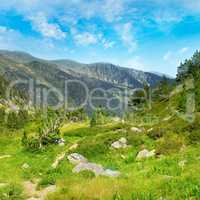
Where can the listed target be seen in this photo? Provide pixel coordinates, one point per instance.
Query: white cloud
(167, 16)
(49, 30)
(167, 56)
(127, 36)
(183, 50)
(44, 48)
(3, 29)
(85, 38)
(113, 9)
(108, 45)
(135, 62)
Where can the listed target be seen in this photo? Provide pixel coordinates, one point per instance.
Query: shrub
(87, 174)
(157, 133)
(194, 137)
(11, 192)
(170, 143)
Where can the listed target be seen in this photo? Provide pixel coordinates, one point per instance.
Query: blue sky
(151, 35)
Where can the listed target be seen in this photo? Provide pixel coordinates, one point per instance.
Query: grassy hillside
(152, 178)
(34, 166)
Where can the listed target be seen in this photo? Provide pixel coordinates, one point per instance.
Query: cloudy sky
(151, 35)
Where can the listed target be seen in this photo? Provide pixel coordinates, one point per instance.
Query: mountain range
(15, 65)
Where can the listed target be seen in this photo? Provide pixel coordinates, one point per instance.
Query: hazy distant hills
(22, 66)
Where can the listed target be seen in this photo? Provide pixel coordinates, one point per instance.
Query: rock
(183, 148)
(145, 154)
(76, 158)
(58, 160)
(123, 140)
(167, 177)
(167, 118)
(73, 147)
(137, 130)
(60, 141)
(25, 166)
(121, 143)
(83, 165)
(116, 119)
(182, 163)
(96, 169)
(149, 130)
(111, 173)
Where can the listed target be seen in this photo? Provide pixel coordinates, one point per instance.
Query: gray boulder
(76, 158)
(111, 173)
(137, 130)
(25, 166)
(96, 169)
(121, 143)
(145, 154)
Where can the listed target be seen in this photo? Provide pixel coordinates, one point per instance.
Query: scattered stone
(111, 173)
(182, 163)
(167, 118)
(149, 130)
(137, 130)
(116, 119)
(25, 166)
(95, 168)
(167, 177)
(60, 141)
(5, 156)
(183, 148)
(83, 165)
(58, 160)
(98, 170)
(145, 154)
(76, 158)
(121, 143)
(73, 147)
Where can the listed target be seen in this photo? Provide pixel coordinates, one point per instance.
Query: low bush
(194, 137)
(11, 192)
(157, 133)
(87, 174)
(169, 143)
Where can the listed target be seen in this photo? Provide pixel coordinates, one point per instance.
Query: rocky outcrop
(83, 165)
(76, 158)
(95, 168)
(25, 166)
(137, 130)
(145, 154)
(120, 144)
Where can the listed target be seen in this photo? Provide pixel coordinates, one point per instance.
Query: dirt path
(33, 194)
